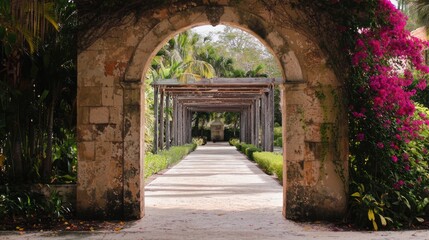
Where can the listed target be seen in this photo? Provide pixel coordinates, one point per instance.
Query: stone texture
(99, 115)
(111, 101)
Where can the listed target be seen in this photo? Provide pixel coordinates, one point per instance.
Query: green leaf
(383, 220)
(356, 194)
(374, 224)
(371, 216)
(419, 219)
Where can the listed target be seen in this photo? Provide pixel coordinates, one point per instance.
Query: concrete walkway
(216, 193)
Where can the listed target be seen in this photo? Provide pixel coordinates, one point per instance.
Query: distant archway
(111, 103)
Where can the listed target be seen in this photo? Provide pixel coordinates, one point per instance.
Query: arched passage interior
(111, 111)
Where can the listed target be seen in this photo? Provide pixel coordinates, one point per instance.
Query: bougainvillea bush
(388, 134)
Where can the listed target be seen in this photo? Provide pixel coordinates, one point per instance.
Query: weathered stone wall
(111, 105)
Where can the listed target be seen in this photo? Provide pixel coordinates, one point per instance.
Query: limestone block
(311, 172)
(295, 134)
(295, 94)
(295, 173)
(318, 132)
(99, 115)
(107, 98)
(114, 68)
(105, 132)
(89, 96)
(322, 76)
(118, 98)
(85, 133)
(94, 73)
(83, 115)
(103, 151)
(132, 121)
(115, 115)
(132, 97)
(86, 151)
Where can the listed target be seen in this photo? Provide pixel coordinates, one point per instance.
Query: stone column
(133, 160)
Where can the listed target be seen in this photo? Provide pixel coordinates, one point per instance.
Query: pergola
(253, 98)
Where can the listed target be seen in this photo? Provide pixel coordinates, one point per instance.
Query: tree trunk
(18, 172)
(47, 164)
(13, 70)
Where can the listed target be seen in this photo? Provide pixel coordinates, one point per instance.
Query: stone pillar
(133, 159)
(316, 151)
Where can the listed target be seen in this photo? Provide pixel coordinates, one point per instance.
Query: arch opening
(111, 114)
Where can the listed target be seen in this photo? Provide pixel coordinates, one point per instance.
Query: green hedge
(199, 141)
(157, 162)
(247, 149)
(234, 141)
(271, 163)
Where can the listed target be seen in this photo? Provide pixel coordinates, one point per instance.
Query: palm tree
(23, 26)
(421, 9)
(179, 59)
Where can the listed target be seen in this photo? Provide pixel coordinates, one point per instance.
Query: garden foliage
(247, 149)
(388, 146)
(271, 163)
(155, 163)
(32, 207)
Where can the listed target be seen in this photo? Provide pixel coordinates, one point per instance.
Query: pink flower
(380, 145)
(398, 184)
(360, 137)
(394, 159)
(421, 85)
(407, 168)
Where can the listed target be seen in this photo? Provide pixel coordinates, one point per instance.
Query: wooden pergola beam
(253, 98)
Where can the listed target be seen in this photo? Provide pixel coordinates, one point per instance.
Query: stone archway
(111, 110)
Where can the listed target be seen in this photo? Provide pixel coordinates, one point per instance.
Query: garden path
(216, 193)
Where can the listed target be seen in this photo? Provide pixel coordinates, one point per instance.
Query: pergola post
(257, 121)
(270, 124)
(242, 126)
(175, 121)
(179, 123)
(167, 120)
(189, 126)
(249, 125)
(162, 121)
(264, 116)
(155, 111)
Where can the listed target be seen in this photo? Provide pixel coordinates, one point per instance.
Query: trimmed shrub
(155, 163)
(250, 150)
(247, 149)
(270, 163)
(277, 132)
(199, 141)
(234, 141)
(278, 142)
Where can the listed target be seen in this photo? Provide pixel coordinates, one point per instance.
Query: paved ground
(215, 193)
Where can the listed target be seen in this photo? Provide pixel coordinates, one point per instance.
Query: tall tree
(23, 26)
(420, 9)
